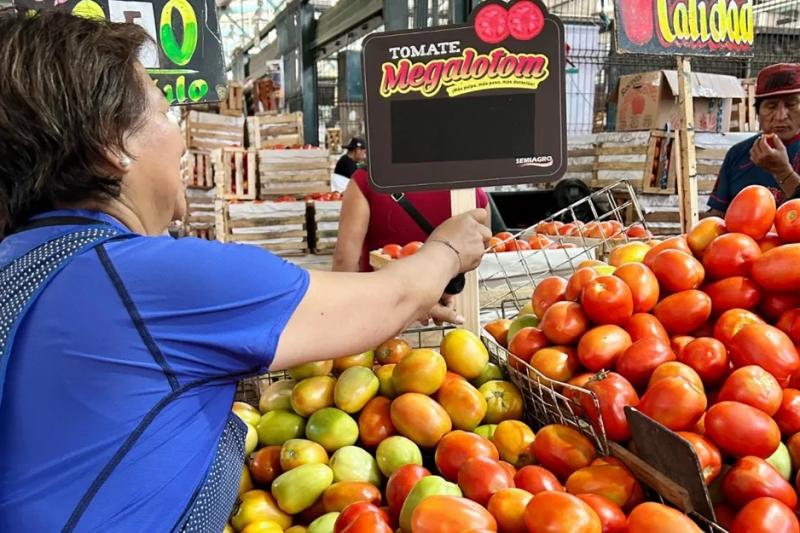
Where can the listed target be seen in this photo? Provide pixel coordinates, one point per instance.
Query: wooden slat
(618, 165)
(703, 168)
(622, 150)
(663, 216)
(287, 234)
(266, 166)
(257, 222)
(581, 152)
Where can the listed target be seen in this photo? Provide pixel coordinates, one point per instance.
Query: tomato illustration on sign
(525, 20)
(491, 24)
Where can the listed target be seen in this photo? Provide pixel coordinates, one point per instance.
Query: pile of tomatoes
(395, 251)
(699, 332)
(317, 197)
(553, 235)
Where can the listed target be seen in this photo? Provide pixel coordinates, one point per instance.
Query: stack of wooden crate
(233, 104)
(279, 227)
(275, 131)
(293, 172)
(325, 232)
(200, 218)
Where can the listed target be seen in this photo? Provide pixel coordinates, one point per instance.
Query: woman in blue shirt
(120, 350)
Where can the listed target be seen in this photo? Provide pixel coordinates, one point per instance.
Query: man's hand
(773, 160)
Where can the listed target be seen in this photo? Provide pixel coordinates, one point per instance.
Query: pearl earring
(124, 162)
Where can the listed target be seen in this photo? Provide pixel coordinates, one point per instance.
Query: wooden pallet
(325, 229)
(237, 174)
(209, 131)
(293, 172)
(199, 169)
(275, 131)
(233, 104)
(279, 227)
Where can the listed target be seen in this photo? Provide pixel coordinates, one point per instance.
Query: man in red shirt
(371, 220)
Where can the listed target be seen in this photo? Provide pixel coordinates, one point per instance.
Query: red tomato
(767, 347)
(677, 271)
(547, 292)
(392, 250)
(776, 270)
(375, 422)
(675, 402)
(366, 523)
(724, 515)
(450, 514)
(559, 512)
(504, 236)
(480, 477)
(564, 323)
(491, 24)
(558, 363)
(265, 464)
(653, 517)
(678, 342)
(707, 455)
(773, 304)
(672, 369)
(536, 479)
(731, 322)
(683, 312)
(643, 325)
(577, 281)
(341, 494)
(642, 283)
(354, 512)
(730, 255)
(458, 446)
(705, 231)
(637, 231)
(496, 245)
(409, 249)
(751, 212)
(739, 430)
(611, 517)
(527, 342)
(770, 241)
(549, 228)
(607, 300)
(708, 357)
(613, 393)
(508, 508)
(786, 221)
(752, 477)
(400, 484)
(765, 515)
(639, 361)
(599, 347)
(517, 244)
(568, 229)
(539, 242)
(732, 293)
(788, 414)
(789, 323)
(754, 386)
(562, 449)
(676, 243)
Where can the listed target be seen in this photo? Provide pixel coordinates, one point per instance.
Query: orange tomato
(653, 517)
(408, 409)
(611, 481)
(677, 243)
(549, 228)
(409, 249)
(508, 508)
(504, 236)
(632, 252)
(535, 479)
(677, 271)
(643, 325)
(450, 514)
(463, 403)
(753, 386)
(675, 402)
(672, 369)
(559, 512)
(423, 371)
(751, 212)
(341, 494)
(611, 516)
(683, 312)
(642, 283)
(637, 231)
(375, 422)
(547, 292)
(526, 343)
(458, 446)
(770, 241)
(498, 329)
(539, 242)
(562, 449)
(558, 363)
(517, 244)
(600, 347)
(513, 440)
(578, 280)
(496, 245)
(392, 250)
(564, 323)
(705, 231)
(607, 300)
(731, 322)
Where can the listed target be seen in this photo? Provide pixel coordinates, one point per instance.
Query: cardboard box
(649, 100)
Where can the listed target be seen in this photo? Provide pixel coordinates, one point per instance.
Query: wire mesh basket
(583, 231)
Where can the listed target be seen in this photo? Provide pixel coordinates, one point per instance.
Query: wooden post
(687, 184)
(468, 301)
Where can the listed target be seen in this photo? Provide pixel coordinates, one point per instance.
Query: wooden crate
(209, 131)
(200, 220)
(326, 225)
(233, 103)
(199, 169)
(237, 174)
(275, 131)
(293, 172)
(279, 227)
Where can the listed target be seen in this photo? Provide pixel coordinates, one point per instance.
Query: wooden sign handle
(467, 301)
(687, 184)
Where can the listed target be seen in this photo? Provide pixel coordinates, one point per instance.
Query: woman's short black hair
(69, 96)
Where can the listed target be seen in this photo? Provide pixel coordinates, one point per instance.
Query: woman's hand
(467, 235)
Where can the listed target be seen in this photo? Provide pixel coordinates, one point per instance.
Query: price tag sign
(469, 105)
(685, 27)
(185, 61)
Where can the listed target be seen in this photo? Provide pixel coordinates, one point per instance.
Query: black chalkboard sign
(186, 61)
(475, 104)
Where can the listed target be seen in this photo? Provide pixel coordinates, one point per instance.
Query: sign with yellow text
(476, 104)
(685, 27)
(185, 59)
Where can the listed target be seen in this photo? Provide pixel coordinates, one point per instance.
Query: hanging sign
(685, 27)
(476, 104)
(185, 61)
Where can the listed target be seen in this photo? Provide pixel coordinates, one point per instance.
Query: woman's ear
(116, 164)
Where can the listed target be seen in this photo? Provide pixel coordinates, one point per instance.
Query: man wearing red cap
(772, 158)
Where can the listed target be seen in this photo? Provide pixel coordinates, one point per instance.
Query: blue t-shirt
(738, 171)
(86, 399)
